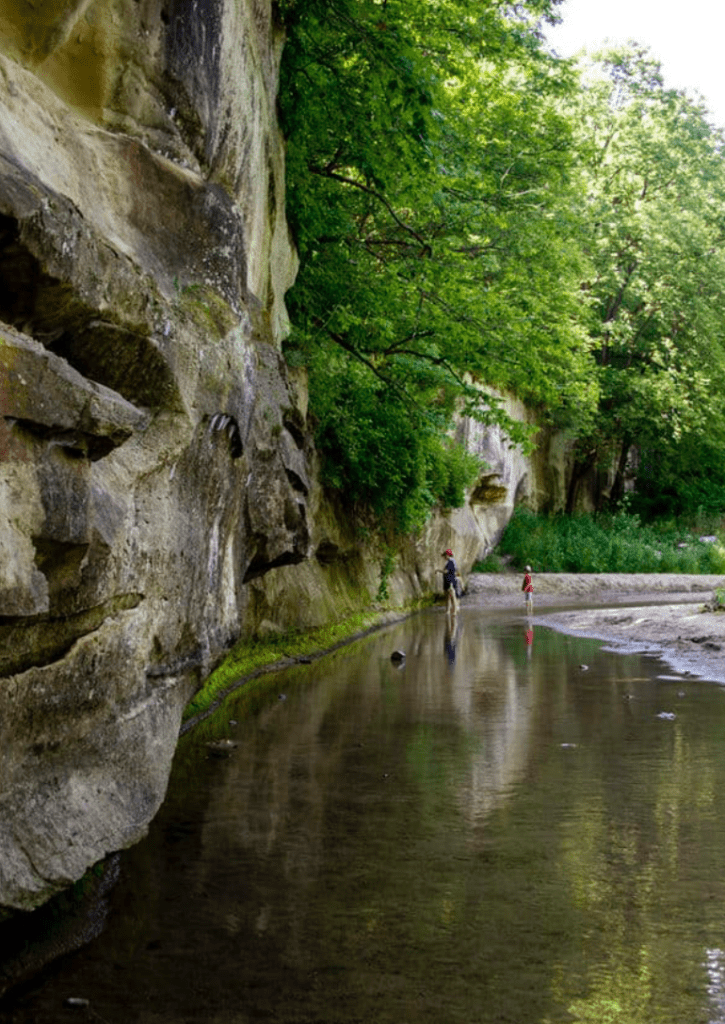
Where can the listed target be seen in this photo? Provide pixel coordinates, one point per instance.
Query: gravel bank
(664, 616)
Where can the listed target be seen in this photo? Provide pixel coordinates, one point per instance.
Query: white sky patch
(687, 39)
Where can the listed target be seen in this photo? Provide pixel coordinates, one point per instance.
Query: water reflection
(476, 835)
(529, 640)
(450, 635)
(715, 966)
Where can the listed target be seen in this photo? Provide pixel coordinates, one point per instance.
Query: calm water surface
(488, 834)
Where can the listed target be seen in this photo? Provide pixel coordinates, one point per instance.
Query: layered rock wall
(345, 573)
(152, 456)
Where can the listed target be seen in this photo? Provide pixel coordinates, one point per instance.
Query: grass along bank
(607, 543)
(252, 658)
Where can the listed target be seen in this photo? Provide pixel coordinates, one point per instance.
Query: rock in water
(221, 748)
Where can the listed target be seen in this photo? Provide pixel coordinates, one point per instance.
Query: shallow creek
(489, 832)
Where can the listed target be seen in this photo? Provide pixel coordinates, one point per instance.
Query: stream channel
(489, 833)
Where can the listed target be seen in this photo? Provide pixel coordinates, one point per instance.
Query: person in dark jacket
(449, 582)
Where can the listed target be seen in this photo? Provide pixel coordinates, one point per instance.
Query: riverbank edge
(224, 681)
(688, 636)
(499, 590)
(504, 589)
(666, 616)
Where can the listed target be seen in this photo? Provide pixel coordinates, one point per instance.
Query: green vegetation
(387, 565)
(211, 313)
(492, 563)
(426, 166)
(616, 542)
(652, 199)
(473, 214)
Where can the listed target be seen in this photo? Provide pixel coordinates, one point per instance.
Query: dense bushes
(606, 543)
(382, 455)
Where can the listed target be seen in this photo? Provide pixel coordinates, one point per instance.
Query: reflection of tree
(627, 849)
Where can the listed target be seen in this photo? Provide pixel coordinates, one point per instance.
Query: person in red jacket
(528, 588)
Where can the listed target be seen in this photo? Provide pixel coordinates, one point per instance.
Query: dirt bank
(658, 614)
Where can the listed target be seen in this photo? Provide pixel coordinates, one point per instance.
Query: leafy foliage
(425, 172)
(653, 183)
(606, 543)
(685, 480)
(492, 563)
(472, 218)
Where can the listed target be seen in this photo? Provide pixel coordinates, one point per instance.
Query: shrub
(617, 542)
(492, 563)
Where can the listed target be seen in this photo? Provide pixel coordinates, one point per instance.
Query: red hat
(448, 552)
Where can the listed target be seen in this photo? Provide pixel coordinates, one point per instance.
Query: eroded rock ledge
(152, 453)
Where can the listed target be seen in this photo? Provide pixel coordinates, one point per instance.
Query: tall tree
(427, 168)
(654, 200)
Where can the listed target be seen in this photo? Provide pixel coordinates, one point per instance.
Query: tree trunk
(617, 492)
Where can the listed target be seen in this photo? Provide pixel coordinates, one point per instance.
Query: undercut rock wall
(152, 455)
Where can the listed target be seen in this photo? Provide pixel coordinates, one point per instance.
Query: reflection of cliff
(461, 737)
(329, 870)
(336, 829)
(496, 700)
(278, 801)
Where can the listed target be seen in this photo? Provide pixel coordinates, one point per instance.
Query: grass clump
(492, 563)
(612, 542)
(253, 656)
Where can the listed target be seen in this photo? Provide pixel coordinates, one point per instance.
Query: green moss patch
(252, 657)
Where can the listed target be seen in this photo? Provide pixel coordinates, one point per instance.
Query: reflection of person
(449, 643)
(449, 582)
(529, 638)
(528, 588)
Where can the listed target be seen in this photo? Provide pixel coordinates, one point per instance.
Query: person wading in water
(449, 582)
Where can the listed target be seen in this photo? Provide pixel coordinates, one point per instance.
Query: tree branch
(327, 172)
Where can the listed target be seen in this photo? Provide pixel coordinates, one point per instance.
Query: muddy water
(489, 833)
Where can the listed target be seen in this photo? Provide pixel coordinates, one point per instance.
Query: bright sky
(686, 38)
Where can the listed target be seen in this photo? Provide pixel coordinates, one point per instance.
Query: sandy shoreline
(656, 614)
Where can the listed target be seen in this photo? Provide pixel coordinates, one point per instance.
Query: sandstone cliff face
(151, 453)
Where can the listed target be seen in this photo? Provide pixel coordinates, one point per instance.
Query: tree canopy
(653, 200)
(472, 218)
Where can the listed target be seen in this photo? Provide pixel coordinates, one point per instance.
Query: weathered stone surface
(344, 572)
(152, 455)
(42, 395)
